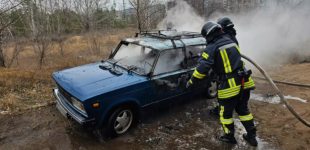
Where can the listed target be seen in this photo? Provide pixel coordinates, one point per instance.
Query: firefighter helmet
(225, 22)
(209, 28)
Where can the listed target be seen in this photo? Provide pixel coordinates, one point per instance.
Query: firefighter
(230, 32)
(223, 56)
(228, 28)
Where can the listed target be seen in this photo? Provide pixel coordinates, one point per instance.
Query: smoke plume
(269, 35)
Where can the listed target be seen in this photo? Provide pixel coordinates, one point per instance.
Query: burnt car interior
(146, 61)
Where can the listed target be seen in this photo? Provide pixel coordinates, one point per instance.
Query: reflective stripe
(233, 79)
(227, 93)
(233, 91)
(198, 75)
(249, 84)
(246, 117)
(225, 121)
(227, 67)
(239, 51)
(227, 46)
(222, 96)
(232, 82)
(229, 89)
(191, 81)
(225, 61)
(205, 55)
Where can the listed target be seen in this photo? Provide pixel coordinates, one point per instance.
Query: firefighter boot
(228, 138)
(251, 137)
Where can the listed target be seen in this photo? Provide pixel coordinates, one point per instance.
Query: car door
(169, 77)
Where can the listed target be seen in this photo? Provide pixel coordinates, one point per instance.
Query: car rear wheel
(211, 90)
(120, 121)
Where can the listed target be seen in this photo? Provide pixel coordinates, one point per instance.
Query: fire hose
(289, 83)
(287, 104)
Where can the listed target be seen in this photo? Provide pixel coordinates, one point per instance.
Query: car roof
(162, 40)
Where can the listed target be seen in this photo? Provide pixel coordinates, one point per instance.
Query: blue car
(141, 74)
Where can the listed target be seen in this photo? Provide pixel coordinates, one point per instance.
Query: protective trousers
(226, 108)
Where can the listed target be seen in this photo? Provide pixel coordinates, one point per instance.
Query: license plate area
(61, 110)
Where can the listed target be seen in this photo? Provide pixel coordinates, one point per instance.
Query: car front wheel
(211, 90)
(120, 121)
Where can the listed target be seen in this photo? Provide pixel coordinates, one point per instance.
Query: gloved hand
(189, 84)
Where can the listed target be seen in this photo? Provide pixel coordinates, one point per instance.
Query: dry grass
(24, 84)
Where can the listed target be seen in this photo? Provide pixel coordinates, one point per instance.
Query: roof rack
(172, 36)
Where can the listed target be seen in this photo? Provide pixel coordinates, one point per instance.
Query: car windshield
(136, 58)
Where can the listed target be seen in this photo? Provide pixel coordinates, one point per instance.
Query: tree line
(44, 22)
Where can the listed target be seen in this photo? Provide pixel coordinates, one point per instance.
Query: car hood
(88, 81)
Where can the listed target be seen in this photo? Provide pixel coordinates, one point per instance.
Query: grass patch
(25, 84)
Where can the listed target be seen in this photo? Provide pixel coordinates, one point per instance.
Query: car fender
(117, 103)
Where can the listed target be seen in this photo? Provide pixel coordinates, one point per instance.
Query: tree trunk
(41, 59)
(2, 64)
(87, 27)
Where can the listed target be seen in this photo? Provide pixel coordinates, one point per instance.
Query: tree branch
(9, 23)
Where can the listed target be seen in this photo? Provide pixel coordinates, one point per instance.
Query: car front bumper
(69, 112)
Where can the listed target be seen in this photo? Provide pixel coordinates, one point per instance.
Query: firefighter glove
(189, 84)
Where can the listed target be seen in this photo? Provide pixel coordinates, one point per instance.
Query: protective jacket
(231, 35)
(224, 57)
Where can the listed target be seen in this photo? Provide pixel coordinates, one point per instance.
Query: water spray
(287, 104)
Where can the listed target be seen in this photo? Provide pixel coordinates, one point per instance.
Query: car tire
(120, 121)
(211, 89)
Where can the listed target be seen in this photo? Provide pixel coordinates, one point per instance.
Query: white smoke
(266, 35)
(184, 17)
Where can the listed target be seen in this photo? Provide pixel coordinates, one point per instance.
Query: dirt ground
(183, 126)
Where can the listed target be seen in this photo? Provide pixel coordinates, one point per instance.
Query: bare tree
(38, 23)
(145, 11)
(6, 6)
(60, 40)
(19, 46)
(86, 10)
(42, 45)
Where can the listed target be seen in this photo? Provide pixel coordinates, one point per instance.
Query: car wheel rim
(212, 89)
(123, 121)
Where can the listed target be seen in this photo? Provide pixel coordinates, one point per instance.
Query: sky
(119, 4)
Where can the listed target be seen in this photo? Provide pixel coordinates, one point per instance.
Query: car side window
(169, 61)
(195, 51)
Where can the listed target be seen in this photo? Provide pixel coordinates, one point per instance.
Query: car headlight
(77, 104)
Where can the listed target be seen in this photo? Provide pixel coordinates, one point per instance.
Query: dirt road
(184, 126)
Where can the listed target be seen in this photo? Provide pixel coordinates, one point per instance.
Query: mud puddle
(273, 99)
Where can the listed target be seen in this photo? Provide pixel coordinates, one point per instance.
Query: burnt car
(143, 73)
